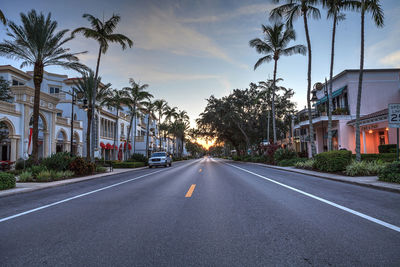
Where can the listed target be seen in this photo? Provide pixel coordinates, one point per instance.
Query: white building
(55, 121)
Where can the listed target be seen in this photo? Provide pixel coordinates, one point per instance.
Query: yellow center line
(190, 191)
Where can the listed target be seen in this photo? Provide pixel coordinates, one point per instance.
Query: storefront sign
(369, 127)
(394, 115)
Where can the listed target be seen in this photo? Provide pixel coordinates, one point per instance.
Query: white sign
(394, 115)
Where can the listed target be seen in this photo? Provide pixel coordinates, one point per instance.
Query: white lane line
(359, 214)
(82, 195)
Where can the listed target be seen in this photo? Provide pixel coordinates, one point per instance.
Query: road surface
(205, 212)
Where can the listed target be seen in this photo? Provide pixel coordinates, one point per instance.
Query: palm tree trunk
(115, 136)
(331, 85)
(268, 126)
(273, 102)
(134, 133)
(130, 130)
(89, 118)
(360, 79)
(159, 132)
(94, 103)
(147, 136)
(313, 150)
(37, 80)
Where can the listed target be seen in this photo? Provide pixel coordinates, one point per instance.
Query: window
(59, 114)
(54, 90)
(122, 129)
(16, 82)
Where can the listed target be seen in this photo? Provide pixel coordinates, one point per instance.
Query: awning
(108, 146)
(102, 145)
(334, 94)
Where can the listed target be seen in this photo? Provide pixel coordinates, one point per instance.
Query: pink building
(380, 88)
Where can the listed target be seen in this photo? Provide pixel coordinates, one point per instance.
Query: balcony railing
(139, 139)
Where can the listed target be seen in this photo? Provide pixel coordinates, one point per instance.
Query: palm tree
(116, 99)
(160, 106)
(335, 8)
(149, 109)
(169, 114)
(137, 96)
(3, 18)
(274, 46)
(182, 125)
(373, 7)
(85, 87)
(37, 43)
(292, 10)
(103, 33)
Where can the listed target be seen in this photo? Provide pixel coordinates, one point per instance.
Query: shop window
(381, 138)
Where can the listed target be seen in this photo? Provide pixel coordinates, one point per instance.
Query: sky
(188, 50)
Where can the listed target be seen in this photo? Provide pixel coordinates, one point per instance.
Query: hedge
(386, 157)
(125, 164)
(7, 180)
(387, 148)
(391, 173)
(333, 161)
(290, 162)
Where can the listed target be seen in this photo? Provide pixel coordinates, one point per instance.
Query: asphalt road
(202, 213)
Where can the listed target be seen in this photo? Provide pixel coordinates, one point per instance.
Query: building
(380, 88)
(55, 120)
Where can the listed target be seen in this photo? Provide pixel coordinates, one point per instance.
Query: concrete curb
(40, 186)
(373, 184)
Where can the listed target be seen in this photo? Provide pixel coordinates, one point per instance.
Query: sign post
(394, 122)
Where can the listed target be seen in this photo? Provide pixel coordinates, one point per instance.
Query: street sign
(394, 115)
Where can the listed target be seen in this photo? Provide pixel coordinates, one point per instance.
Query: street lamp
(74, 96)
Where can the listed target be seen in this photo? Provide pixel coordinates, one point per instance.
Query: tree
(373, 7)
(37, 43)
(103, 33)
(160, 107)
(137, 96)
(292, 10)
(116, 99)
(85, 87)
(149, 109)
(3, 18)
(5, 93)
(275, 45)
(335, 8)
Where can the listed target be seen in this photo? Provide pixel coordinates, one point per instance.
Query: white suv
(160, 159)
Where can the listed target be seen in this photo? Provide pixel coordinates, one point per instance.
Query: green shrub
(26, 176)
(391, 173)
(137, 157)
(308, 164)
(57, 175)
(19, 164)
(100, 169)
(126, 164)
(7, 180)
(387, 148)
(78, 166)
(333, 161)
(58, 161)
(36, 169)
(236, 158)
(386, 157)
(290, 162)
(283, 153)
(44, 176)
(68, 174)
(364, 168)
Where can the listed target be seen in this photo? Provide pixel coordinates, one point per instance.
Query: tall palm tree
(275, 45)
(137, 96)
(103, 33)
(160, 106)
(375, 8)
(116, 99)
(149, 109)
(3, 18)
(182, 125)
(293, 9)
(37, 43)
(171, 113)
(334, 11)
(85, 87)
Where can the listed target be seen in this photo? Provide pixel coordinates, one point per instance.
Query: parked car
(160, 159)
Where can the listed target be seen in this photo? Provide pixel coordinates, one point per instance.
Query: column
(46, 144)
(364, 142)
(13, 147)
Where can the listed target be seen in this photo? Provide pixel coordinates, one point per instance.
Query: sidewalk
(28, 187)
(369, 181)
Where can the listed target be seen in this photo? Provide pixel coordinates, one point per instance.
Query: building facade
(380, 88)
(56, 105)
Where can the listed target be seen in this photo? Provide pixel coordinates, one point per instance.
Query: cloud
(393, 59)
(241, 11)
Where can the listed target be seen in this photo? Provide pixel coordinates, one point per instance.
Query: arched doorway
(61, 141)
(41, 136)
(5, 143)
(75, 144)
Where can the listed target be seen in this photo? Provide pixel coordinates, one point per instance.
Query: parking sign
(394, 115)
